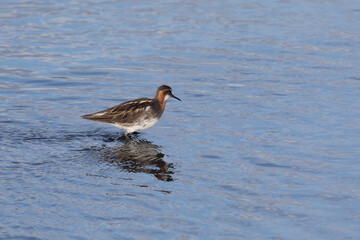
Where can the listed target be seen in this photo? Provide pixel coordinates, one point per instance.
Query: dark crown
(164, 87)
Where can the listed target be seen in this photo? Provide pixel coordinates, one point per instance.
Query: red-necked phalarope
(138, 114)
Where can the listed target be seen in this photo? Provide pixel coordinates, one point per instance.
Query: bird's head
(164, 92)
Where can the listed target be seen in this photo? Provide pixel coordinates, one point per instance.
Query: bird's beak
(175, 97)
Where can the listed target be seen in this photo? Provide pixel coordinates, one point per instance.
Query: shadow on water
(138, 156)
(133, 154)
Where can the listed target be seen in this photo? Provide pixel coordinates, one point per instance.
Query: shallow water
(264, 145)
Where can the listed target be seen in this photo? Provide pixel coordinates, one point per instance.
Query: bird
(134, 115)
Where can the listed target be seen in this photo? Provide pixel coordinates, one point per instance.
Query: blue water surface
(264, 145)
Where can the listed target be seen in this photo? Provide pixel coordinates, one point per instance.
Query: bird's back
(126, 112)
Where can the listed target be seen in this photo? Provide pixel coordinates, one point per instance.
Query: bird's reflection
(138, 155)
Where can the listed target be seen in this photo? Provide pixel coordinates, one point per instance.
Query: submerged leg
(125, 137)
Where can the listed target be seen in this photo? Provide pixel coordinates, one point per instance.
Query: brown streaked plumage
(138, 114)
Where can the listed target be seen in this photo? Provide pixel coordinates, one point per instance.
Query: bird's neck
(161, 98)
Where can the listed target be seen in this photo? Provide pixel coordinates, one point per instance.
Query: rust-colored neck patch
(161, 97)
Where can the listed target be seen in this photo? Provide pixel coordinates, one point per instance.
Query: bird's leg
(125, 137)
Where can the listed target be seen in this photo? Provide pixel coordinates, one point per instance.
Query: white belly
(139, 125)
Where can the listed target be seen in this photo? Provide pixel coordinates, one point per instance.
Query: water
(264, 145)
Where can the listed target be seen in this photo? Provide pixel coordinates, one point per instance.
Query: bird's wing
(123, 113)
